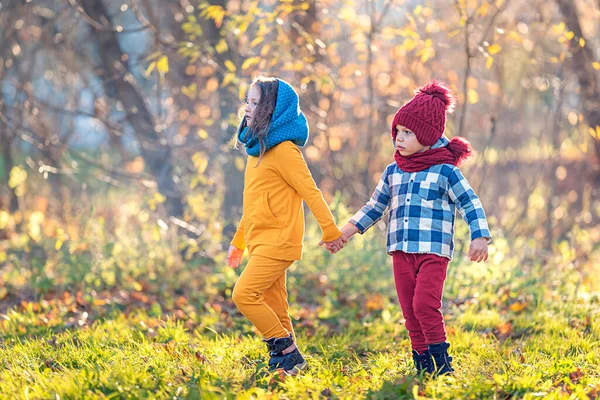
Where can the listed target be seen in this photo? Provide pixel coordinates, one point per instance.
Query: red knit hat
(425, 114)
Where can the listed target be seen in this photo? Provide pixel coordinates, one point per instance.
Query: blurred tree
(8, 13)
(155, 149)
(585, 65)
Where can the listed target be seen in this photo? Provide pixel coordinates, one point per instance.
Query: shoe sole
(297, 368)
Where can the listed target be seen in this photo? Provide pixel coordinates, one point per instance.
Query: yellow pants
(261, 295)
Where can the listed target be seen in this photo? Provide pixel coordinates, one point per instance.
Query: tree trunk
(581, 63)
(156, 154)
(6, 140)
(228, 103)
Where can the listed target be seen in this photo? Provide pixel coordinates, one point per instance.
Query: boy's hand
(348, 231)
(234, 256)
(478, 250)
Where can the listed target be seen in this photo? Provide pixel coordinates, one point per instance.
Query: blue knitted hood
(287, 123)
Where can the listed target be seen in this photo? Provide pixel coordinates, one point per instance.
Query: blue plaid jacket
(421, 209)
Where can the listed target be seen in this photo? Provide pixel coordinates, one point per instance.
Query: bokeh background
(120, 190)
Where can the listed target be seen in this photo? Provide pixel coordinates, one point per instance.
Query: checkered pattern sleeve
(375, 208)
(468, 204)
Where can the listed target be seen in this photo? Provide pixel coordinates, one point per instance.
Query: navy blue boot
(423, 362)
(285, 355)
(442, 362)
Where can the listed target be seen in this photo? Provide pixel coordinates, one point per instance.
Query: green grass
(549, 352)
(125, 309)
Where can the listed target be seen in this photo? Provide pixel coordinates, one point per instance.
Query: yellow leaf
(162, 65)
(426, 54)
(494, 49)
(265, 50)
(569, 35)
(60, 239)
(515, 36)
(518, 306)
(582, 42)
(375, 302)
(488, 62)
(150, 68)
(230, 66)
(256, 41)
(484, 9)
(409, 44)
(250, 62)
(190, 91)
(560, 28)
(202, 133)
(596, 65)
(418, 10)
(386, 315)
(472, 96)
(592, 132)
(18, 175)
(216, 13)
(499, 379)
(200, 162)
(229, 77)
(222, 46)
(505, 328)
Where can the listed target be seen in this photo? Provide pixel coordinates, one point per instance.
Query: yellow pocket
(270, 218)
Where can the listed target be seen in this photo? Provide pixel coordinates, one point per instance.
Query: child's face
(253, 99)
(407, 143)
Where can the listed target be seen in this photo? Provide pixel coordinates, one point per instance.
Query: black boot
(423, 362)
(442, 362)
(285, 355)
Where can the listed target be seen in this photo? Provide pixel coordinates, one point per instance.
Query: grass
(124, 309)
(549, 352)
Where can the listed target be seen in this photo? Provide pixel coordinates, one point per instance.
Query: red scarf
(455, 152)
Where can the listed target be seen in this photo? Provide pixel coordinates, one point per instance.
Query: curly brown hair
(261, 123)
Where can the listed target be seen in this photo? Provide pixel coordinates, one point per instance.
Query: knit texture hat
(425, 114)
(287, 123)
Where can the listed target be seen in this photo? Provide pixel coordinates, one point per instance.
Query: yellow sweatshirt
(272, 223)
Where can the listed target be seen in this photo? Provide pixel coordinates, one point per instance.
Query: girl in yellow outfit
(276, 182)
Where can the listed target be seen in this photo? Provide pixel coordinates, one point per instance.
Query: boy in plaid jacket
(422, 190)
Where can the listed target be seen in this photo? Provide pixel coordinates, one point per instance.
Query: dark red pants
(420, 284)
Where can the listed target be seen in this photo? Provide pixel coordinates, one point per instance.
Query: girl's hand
(234, 256)
(333, 246)
(478, 250)
(348, 231)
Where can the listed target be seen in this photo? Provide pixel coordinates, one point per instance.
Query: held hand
(234, 256)
(348, 231)
(333, 246)
(478, 250)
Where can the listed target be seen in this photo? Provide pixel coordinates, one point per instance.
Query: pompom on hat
(425, 114)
